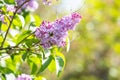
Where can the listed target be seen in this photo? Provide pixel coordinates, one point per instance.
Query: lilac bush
(15, 24)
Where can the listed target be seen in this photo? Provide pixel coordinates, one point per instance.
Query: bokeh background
(95, 44)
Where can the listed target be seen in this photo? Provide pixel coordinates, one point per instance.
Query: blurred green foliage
(95, 51)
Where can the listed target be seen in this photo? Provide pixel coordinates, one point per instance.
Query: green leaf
(34, 61)
(37, 20)
(3, 77)
(1, 2)
(32, 24)
(35, 58)
(1, 38)
(5, 70)
(34, 68)
(46, 53)
(59, 64)
(3, 8)
(10, 65)
(9, 1)
(40, 78)
(12, 56)
(45, 64)
(52, 66)
(20, 37)
(4, 27)
(24, 56)
(27, 17)
(21, 18)
(29, 42)
(18, 22)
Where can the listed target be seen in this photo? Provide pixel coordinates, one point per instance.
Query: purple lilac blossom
(31, 5)
(55, 33)
(46, 2)
(2, 18)
(24, 77)
(10, 8)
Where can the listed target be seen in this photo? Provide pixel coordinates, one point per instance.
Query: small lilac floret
(31, 5)
(24, 77)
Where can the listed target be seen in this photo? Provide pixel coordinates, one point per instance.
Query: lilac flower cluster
(55, 33)
(9, 8)
(47, 2)
(31, 5)
(2, 18)
(24, 77)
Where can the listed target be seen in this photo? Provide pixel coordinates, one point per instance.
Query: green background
(95, 44)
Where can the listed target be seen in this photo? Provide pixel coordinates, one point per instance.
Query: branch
(84, 2)
(15, 47)
(12, 21)
(24, 39)
(12, 48)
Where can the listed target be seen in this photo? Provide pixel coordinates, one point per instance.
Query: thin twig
(15, 47)
(7, 17)
(5, 48)
(21, 49)
(12, 21)
(24, 39)
(81, 6)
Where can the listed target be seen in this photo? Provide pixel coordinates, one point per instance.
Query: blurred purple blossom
(32, 5)
(55, 33)
(10, 8)
(2, 18)
(47, 2)
(24, 77)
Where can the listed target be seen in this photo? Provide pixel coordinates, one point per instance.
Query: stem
(14, 47)
(11, 22)
(24, 39)
(81, 6)
(5, 48)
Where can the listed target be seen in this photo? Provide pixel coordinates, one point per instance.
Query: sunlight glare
(71, 5)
